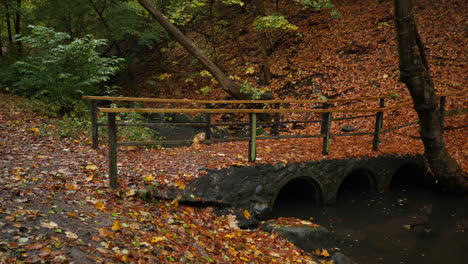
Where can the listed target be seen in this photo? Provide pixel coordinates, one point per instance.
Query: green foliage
(319, 5)
(59, 70)
(255, 92)
(128, 21)
(272, 23)
(205, 90)
(183, 12)
(77, 126)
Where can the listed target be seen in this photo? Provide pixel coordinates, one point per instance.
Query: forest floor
(55, 206)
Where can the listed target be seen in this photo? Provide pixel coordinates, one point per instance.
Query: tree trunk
(8, 22)
(266, 60)
(228, 85)
(17, 22)
(414, 72)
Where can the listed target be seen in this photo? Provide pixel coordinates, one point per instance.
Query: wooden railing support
(326, 129)
(442, 109)
(94, 124)
(277, 120)
(208, 135)
(378, 125)
(253, 138)
(112, 127)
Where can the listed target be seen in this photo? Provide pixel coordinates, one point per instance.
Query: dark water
(406, 225)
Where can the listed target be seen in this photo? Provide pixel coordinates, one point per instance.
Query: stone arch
(358, 180)
(296, 194)
(409, 174)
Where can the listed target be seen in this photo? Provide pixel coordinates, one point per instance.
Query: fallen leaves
(116, 226)
(50, 225)
(99, 205)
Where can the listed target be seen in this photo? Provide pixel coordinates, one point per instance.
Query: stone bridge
(257, 188)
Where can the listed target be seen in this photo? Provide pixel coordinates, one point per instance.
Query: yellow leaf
(322, 252)
(180, 185)
(35, 130)
(116, 226)
(149, 177)
(99, 205)
(250, 70)
(157, 239)
(239, 156)
(244, 259)
(131, 192)
(232, 251)
(246, 214)
(71, 186)
(90, 178)
(91, 167)
(231, 235)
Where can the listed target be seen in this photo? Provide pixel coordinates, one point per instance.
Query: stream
(408, 224)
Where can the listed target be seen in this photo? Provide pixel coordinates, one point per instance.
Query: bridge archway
(297, 198)
(358, 181)
(409, 175)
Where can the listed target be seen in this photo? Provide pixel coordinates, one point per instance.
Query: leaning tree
(414, 73)
(231, 87)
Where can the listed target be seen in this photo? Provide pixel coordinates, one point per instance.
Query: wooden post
(378, 126)
(112, 127)
(253, 138)
(94, 121)
(326, 129)
(443, 103)
(208, 135)
(277, 120)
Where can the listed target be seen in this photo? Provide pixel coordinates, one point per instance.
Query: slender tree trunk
(228, 85)
(260, 11)
(100, 14)
(266, 59)
(414, 72)
(1, 42)
(8, 22)
(17, 22)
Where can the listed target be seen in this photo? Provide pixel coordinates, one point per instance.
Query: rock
(304, 236)
(340, 258)
(348, 128)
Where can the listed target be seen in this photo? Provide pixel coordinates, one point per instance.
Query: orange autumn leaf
(180, 185)
(116, 226)
(99, 205)
(247, 214)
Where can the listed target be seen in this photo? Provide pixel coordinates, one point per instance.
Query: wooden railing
(321, 107)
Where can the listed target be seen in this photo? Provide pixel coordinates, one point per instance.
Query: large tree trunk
(228, 85)
(414, 72)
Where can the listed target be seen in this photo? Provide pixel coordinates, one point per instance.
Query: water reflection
(409, 224)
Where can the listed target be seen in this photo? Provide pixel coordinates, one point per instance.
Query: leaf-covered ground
(55, 207)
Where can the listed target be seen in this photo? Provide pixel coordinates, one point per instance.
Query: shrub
(59, 70)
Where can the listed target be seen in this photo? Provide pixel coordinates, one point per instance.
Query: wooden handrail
(243, 111)
(190, 101)
(453, 93)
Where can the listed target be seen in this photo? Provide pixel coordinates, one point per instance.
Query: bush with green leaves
(59, 70)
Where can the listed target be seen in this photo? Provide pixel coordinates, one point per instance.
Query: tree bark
(8, 22)
(414, 72)
(228, 85)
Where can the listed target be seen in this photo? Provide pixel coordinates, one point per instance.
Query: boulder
(307, 237)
